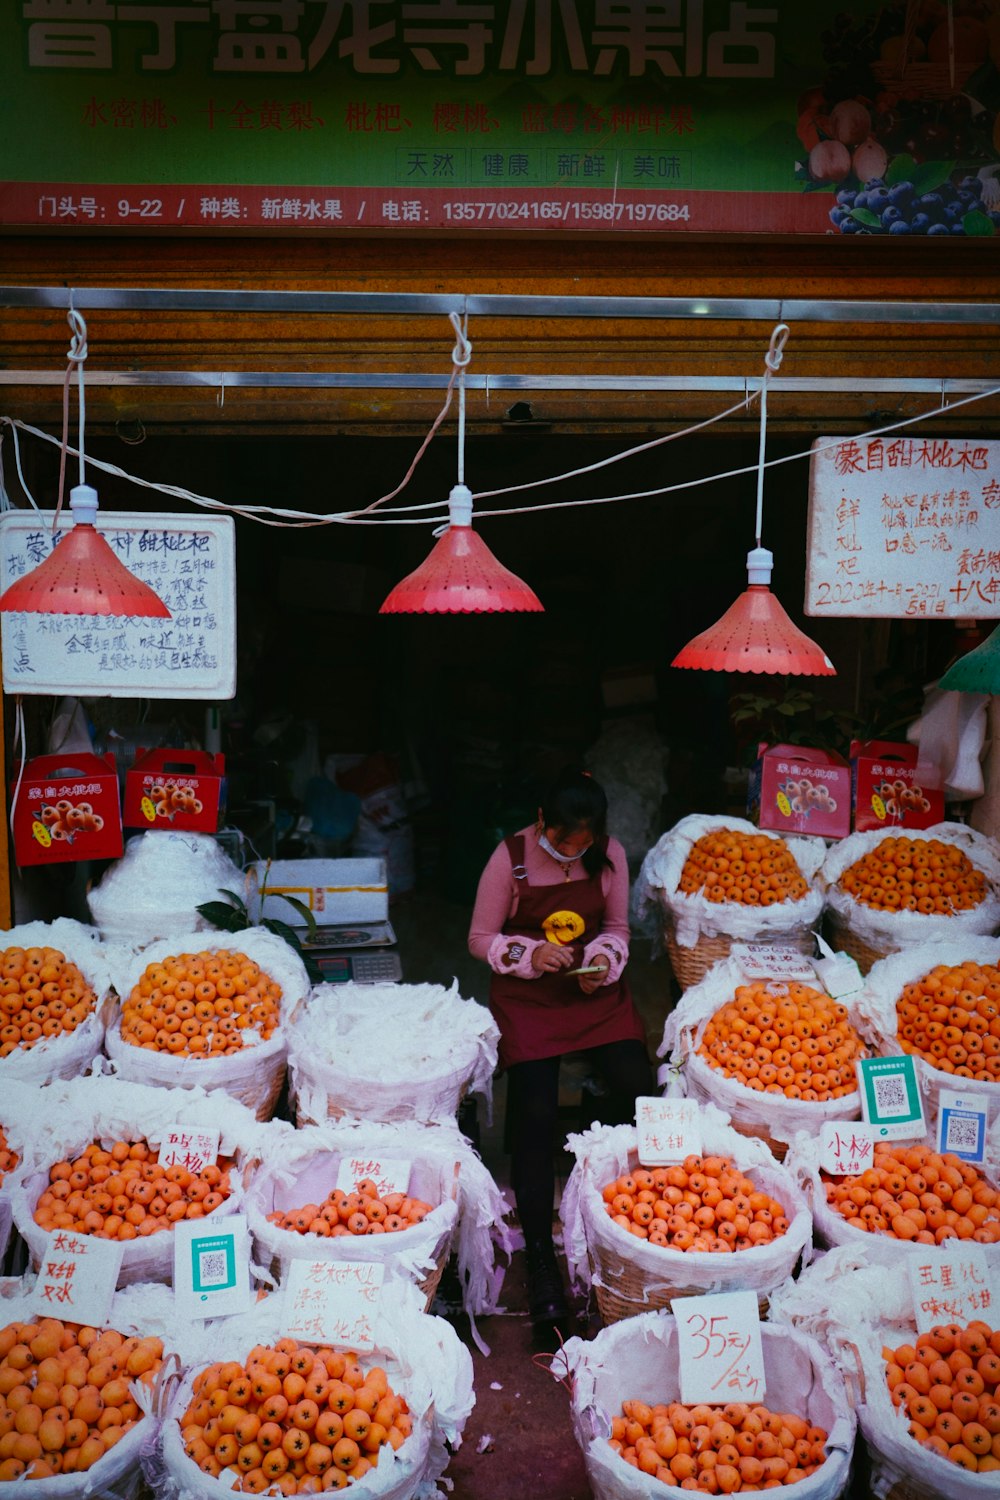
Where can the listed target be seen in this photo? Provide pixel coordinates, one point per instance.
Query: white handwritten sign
(847, 1148)
(668, 1130)
(189, 1146)
(961, 1125)
(389, 1176)
(954, 1286)
(904, 526)
(77, 1277)
(212, 1267)
(333, 1302)
(764, 961)
(191, 564)
(721, 1356)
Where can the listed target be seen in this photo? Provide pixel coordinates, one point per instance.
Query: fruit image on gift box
(42, 995)
(948, 1384)
(803, 796)
(897, 797)
(123, 1193)
(751, 869)
(65, 819)
(786, 1039)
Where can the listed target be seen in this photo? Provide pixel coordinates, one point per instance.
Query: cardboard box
(67, 809)
(338, 892)
(179, 789)
(797, 790)
(886, 790)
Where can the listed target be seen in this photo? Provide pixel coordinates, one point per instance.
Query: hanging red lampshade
(82, 575)
(460, 576)
(756, 635)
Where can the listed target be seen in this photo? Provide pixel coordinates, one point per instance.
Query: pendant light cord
(75, 356)
(460, 356)
(772, 364)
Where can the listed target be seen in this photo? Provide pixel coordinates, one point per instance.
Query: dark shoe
(546, 1296)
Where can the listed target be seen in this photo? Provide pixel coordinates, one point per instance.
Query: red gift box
(182, 789)
(798, 790)
(887, 790)
(67, 808)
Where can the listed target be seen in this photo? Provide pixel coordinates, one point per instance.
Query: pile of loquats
(65, 1397)
(706, 1204)
(922, 875)
(360, 1212)
(717, 1450)
(200, 1004)
(300, 1419)
(786, 1039)
(123, 1193)
(918, 1194)
(749, 868)
(948, 1384)
(951, 1018)
(42, 995)
(8, 1156)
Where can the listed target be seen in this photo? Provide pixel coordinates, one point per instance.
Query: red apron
(550, 1015)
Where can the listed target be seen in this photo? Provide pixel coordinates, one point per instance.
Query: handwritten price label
(721, 1356)
(333, 1302)
(77, 1278)
(188, 1146)
(846, 1148)
(668, 1129)
(954, 1286)
(764, 961)
(392, 1176)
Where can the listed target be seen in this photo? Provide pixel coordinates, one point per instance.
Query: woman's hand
(549, 958)
(590, 982)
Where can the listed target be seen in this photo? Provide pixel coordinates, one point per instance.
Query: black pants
(532, 1115)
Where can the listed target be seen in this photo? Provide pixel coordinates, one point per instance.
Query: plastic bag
(72, 1115)
(154, 890)
(301, 1166)
(389, 1052)
(904, 929)
(423, 1358)
(638, 1360)
(68, 1055)
(693, 916)
(768, 1115)
(253, 1076)
(606, 1151)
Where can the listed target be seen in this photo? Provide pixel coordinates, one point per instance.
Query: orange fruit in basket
(705, 1204)
(8, 1158)
(360, 1212)
(199, 1004)
(123, 1193)
(786, 1039)
(235, 1427)
(954, 1407)
(922, 875)
(42, 995)
(918, 1194)
(748, 868)
(951, 1017)
(717, 1449)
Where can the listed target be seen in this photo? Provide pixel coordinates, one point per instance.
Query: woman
(551, 920)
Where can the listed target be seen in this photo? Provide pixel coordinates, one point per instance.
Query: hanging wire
(19, 735)
(75, 356)
(772, 364)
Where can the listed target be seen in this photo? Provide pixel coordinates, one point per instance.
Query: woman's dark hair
(574, 801)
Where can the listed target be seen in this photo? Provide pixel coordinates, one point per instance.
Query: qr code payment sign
(213, 1265)
(891, 1098)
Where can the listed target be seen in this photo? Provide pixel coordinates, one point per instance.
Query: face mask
(564, 859)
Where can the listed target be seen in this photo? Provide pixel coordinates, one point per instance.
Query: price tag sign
(954, 1286)
(767, 961)
(212, 1267)
(847, 1148)
(333, 1302)
(961, 1126)
(77, 1278)
(189, 1146)
(890, 1098)
(389, 1176)
(669, 1130)
(721, 1356)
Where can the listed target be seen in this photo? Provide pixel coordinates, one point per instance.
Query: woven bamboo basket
(919, 80)
(845, 941)
(690, 965)
(623, 1290)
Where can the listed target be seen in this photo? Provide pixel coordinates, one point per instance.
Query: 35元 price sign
(721, 1354)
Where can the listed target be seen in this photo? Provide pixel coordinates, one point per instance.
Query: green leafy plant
(795, 715)
(233, 915)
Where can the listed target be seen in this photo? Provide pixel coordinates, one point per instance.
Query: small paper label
(148, 810)
(721, 1356)
(953, 1286)
(40, 833)
(212, 1267)
(878, 806)
(847, 1148)
(764, 961)
(784, 806)
(840, 975)
(189, 1146)
(389, 1175)
(890, 1098)
(333, 1302)
(669, 1130)
(77, 1277)
(961, 1125)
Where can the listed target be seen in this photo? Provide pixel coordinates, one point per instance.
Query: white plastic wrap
(606, 1151)
(69, 1055)
(253, 1076)
(301, 1166)
(638, 1360)
(389, 1052)
(693, 916)
(857, 1308)
(109, 1110)
(893, 930)
(803, 1161)
(770, 1115)
(423, 1358)
(154, 890)
(884, 984)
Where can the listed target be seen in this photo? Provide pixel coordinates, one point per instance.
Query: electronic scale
(356, 954)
